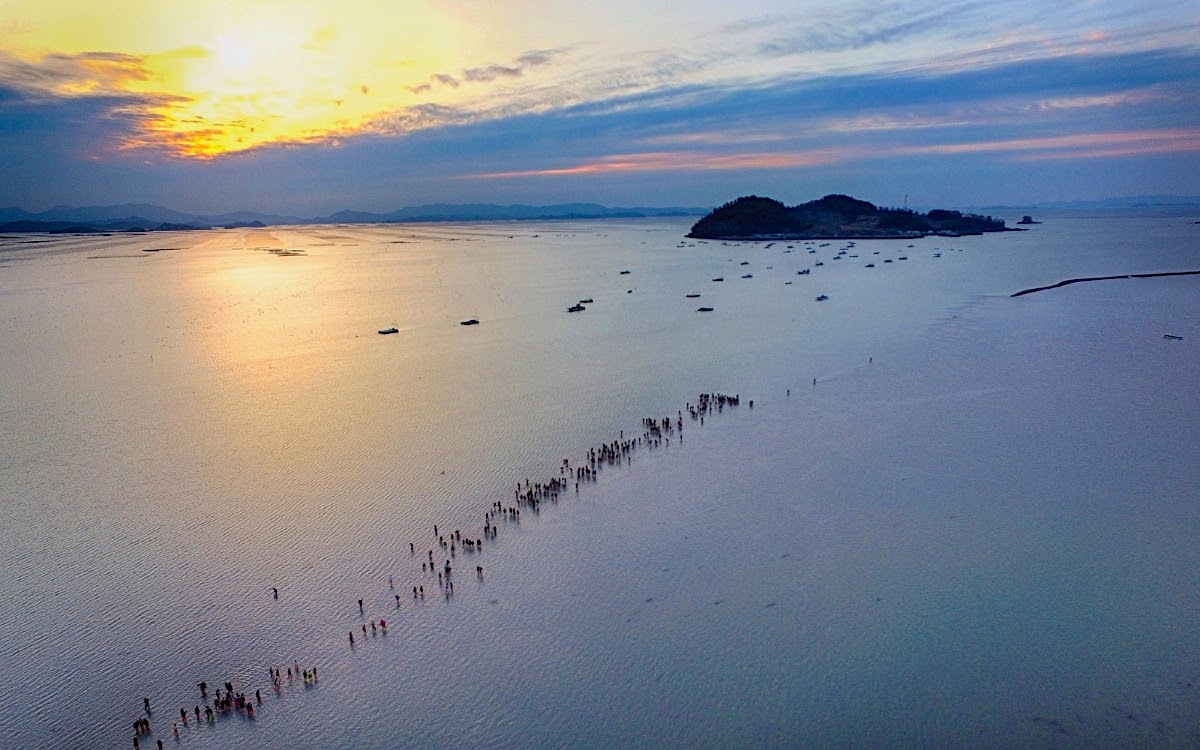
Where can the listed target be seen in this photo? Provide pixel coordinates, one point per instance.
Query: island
(1027, 219)
(834, 217)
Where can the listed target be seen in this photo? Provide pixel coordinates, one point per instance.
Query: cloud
(1078, 145)
(66, 75)
(1074, 146)
(684, 161)
(419, 117)
(865, 25)
(492, 72)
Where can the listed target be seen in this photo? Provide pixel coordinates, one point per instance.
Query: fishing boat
(386, 331)
(576, 308)
(822, 298)
(470, 322)
(1172, 337)
(704, 309)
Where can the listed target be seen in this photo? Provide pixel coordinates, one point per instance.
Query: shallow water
(983, 536)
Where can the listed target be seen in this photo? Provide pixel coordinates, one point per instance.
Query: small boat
(903, 257)
(744, 263)
(624, 273)
(787, 283)
(587, 301)
(719, 278)
(822, 298)
(704, 309)
(870, 265)
(692, 296)
(1172, 337)
(748, 276)
(805, 272)
(576, 308)
(471, 322)
(937, 255)
(386, 331)
(820, 263)
(887, 260)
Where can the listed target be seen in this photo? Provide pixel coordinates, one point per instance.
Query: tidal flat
(952, 517)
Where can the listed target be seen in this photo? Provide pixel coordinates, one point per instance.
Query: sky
(306, 107)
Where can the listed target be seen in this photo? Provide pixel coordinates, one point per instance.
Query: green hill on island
(833, 217)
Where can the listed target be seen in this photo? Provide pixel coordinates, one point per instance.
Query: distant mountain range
(142, 217)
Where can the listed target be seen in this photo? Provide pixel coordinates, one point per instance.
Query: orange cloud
(1086, 145)
(686, 161)
(1080, 146)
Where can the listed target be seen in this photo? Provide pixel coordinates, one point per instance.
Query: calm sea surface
(979, 528)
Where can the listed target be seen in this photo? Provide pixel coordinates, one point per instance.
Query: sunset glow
(228, 77)
(393, 103)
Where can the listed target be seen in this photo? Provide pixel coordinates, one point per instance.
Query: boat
(587, 301)
(1172, 337)
(576, 308)
(822, 298)
(385, 331)
(704, 309)
(624, 273)
(692, 296)
(748, 276)
(805, 272)
(744, 263)
(719, 278)
(870, 265)
(471, 322)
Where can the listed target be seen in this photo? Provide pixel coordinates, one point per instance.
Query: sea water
(977, 528)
